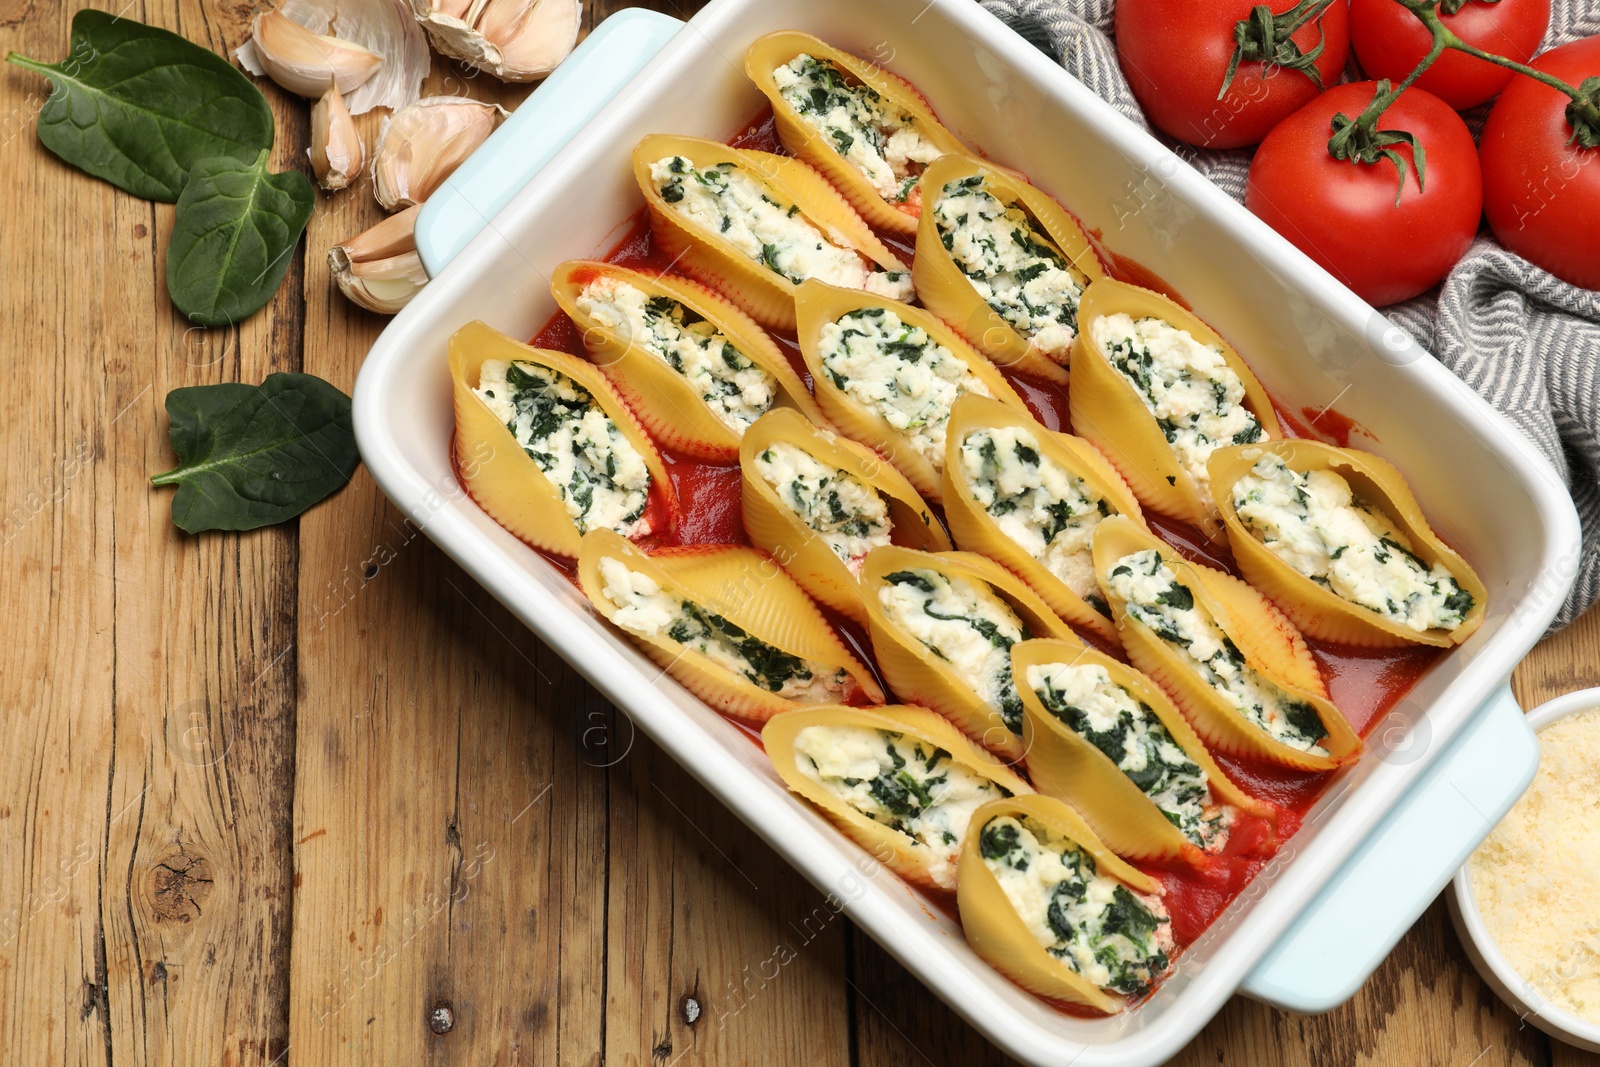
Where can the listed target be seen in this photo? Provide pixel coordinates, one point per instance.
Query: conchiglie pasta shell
(1318, 611)
(1063, 764)
(975, 530)
(498, 473)
(705, 255)
(915, 674)
(669, 406)
(776, 529)
(749, 590)
(1215, 719)
(805, 141)
(898, 851)
(945, 290)
(995, 930)
(818, 304)
(1107, 409)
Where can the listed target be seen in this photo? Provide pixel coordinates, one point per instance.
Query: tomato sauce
(1364, 684)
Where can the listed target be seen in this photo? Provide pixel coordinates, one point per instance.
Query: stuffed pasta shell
(1236, 667)
(1335, 537)
(867, 130)
(1051, 907)
(942, 627)
(1032, 499)
(1158, 391)
(1002, 263)
(889, 375)
(900, 781)
(696, 369)
(1108, 741)
(819, 503)
(547, 449)
(726, 622)
(753, 225)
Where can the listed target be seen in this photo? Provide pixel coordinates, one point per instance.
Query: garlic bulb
(380, 269)
(307, 63)
(515, 40)
(422, 144)
(336, 152)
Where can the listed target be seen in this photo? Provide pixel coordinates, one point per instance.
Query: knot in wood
(179, 884)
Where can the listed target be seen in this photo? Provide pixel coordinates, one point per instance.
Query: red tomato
(1175, 55)
(1542, 196)
(1343, 214)
(1390, 41)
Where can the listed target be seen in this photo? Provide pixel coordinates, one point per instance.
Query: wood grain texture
(148, 778)
(310, 795)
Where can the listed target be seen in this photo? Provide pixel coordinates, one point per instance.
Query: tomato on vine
(1541, 165)
(1390, 41)
(1386, 202)
(1222, 73)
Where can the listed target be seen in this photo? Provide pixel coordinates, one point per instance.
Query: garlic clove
(307, 63)
(386, 28)
(336, 152)
(532, 45)
(449, 26)
(422, 144)
(380, 269)
(463, 11)
(389, 238)
(500, 20)
(515, 40)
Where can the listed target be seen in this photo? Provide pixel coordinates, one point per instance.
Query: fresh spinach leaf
(236, 228)
(139, 106)
(252, 456)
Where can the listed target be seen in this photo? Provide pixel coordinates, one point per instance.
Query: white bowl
(1529, 1004)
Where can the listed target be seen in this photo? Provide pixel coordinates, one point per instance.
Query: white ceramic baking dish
(1386, 835)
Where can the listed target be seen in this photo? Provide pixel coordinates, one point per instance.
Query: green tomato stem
(1583, 114)
(1267, 37)
(1359, 140)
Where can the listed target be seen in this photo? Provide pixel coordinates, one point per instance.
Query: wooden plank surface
(310, 795)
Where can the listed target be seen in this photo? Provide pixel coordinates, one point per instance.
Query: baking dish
(1389, 830)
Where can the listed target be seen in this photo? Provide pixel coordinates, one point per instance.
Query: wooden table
(310, 794)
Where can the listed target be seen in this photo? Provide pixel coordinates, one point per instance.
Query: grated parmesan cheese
(1534, 878)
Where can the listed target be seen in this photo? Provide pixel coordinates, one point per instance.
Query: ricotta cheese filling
(904, 783)
(1196, 398)
(1089, 703)
(965, 624)
(724, 200)
(843, 510)
(1156, 598)
(1313, 522)
(1012, 264)
(736, 390)
(601, 476)
(900, 373)
(1112, 936)
(644, 608)
(1049, 512)
(879, 139)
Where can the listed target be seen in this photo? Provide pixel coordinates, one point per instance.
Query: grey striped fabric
(1525, 341)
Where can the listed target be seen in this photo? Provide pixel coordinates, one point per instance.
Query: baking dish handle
(540, 127)
(1362, 912)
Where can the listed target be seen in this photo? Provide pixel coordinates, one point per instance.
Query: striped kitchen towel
(1524, 340)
